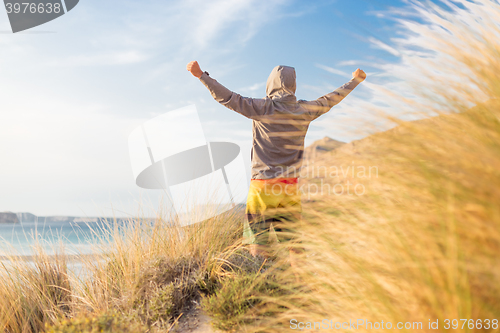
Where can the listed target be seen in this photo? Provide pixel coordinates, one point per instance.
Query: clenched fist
(358, 73)
(194, 68)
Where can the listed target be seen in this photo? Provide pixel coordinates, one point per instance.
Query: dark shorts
(272, 202)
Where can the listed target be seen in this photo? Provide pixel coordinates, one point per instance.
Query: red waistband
(278, 180)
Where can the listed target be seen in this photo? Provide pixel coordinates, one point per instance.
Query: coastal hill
(323, 150)
(26, 217)
(320, 147)
(8, 217)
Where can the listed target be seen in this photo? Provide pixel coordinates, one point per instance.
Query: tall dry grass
(422, 244)
(32, 294)
(143, 276)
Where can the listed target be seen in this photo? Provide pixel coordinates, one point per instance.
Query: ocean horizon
(54, 237)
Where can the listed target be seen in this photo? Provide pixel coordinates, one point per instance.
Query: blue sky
(72, 90)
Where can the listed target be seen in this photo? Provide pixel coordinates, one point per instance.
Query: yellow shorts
(273, 202)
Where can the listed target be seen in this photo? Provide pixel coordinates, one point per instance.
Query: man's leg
(289, 217)
(256, 232)
(259, 227)
(291, 222)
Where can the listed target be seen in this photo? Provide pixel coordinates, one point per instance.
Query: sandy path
(195, 322)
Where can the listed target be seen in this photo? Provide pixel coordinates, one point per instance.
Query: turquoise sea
(75, 237)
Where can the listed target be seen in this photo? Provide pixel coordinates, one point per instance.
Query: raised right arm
(251, 108)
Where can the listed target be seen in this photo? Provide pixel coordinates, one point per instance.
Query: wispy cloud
(333, 70)
(377, 43)
(253, 89)
(104, 59)
(216, 19)
(348, 63)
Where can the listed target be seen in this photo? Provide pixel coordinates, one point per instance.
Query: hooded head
(281, 84)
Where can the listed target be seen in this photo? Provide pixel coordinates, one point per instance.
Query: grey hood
(281, 84)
